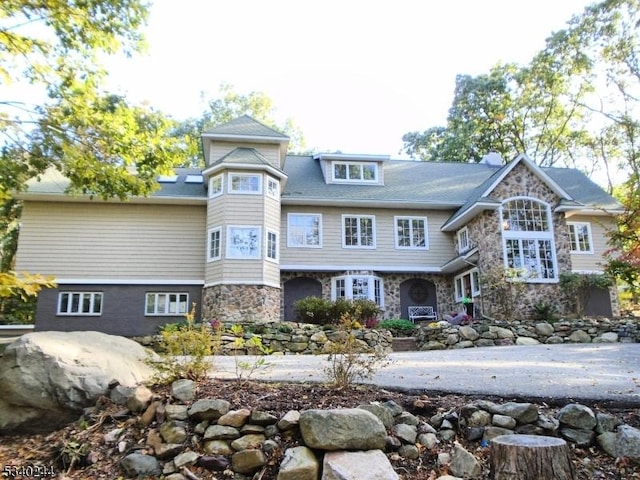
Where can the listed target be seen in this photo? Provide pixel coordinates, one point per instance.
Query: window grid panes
(215, 186)
(580, 237)
(80, 303)
(411, 233)
(215, 244)
(355, 172)
(245, 183)
(525, 215)
(359, 287)
(533, 256)
(358, 232)
(272, 245)
(273, 188)
(164, 303)
(463, 240)
(304, 230)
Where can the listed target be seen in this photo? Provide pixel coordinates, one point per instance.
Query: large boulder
(47, 378)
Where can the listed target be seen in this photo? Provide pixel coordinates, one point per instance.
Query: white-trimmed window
(355, 172)
(411, 233)
(304, 230)
(464, 244)
(358, 231)
(272, 245)
(358, 287)
(215, 186)
(214, 244)
(80, 303)
(166, 303)
(243, 241)
(466, 285)
(273, 188)
(580, 237)
(247, 183)
(527, 237)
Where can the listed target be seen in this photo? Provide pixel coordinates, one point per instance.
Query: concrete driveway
(603, 372)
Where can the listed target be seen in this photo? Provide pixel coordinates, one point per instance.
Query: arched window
(527, 236)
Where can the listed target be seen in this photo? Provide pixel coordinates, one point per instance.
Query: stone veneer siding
(391, 287)
(241, 303)
(485, 232)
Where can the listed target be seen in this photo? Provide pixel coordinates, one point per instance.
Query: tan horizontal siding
(385, 254)
(599, 227)
(112, 241)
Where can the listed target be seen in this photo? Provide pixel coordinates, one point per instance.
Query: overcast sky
(353, 75)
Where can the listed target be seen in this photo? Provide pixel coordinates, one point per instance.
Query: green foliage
(185, 348)
(350, 359)
(503, 288)
(399, 327)
(320, 311)
(253, 345)
(72, 453)
(18, 295)
(544, 311)
(577, 288)
(227, 106)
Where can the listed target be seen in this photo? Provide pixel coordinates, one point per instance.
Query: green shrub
(351, 359)
(399, 327)
(544, 311)
(577, 288)
(314, 310)
(185, 347)
(320, 311)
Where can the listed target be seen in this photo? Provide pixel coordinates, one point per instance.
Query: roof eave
(207, 172)
(158, 199)
(462, 219)
(349, 202)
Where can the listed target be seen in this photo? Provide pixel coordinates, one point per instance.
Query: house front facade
(257, 229)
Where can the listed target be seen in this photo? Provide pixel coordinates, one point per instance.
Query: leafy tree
(606, 37)
(228, 106)
(512, 109)
(105, 146)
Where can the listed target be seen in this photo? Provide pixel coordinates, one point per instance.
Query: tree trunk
(530, 457)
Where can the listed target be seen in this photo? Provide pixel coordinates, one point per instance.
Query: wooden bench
(422, 313)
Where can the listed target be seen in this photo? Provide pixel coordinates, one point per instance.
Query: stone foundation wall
(440, 336)
(241, 303)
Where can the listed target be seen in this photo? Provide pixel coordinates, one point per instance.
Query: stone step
(404, 344)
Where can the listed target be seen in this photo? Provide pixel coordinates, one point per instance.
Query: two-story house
(257, 229)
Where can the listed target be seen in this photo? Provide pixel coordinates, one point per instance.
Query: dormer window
(355, 172)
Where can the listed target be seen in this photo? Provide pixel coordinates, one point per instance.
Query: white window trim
(411, 247)
(531, 235)
(219, 256)
(177, 313)
(291, 244)
(575, 239)
(475, 288)
(266, 245)
(212, 192)
(258, 248)
(373, 232)
(92, 295)
(275, 195)
(348, 286)
(463, 246)
(232, 175)
(359, 180)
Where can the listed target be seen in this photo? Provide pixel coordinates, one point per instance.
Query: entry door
(297, 289)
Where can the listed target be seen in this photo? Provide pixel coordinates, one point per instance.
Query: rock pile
(182, 434)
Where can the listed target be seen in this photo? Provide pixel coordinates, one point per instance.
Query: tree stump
(530, 457)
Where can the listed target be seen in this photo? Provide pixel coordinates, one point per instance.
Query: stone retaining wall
(292, 338)
(440, 335)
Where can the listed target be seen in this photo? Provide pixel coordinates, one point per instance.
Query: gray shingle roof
(245, 126)
(433, 184)
(244, 156)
